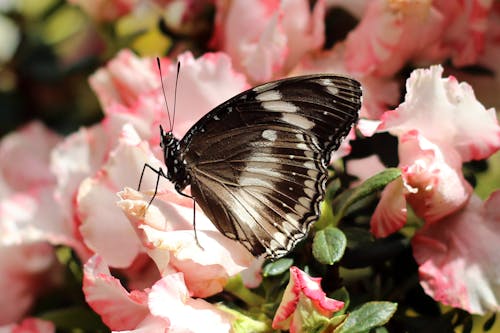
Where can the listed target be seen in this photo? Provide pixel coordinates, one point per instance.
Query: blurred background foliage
(50, 47)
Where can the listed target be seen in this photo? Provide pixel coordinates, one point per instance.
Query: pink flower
(393, 33)
(27, 271)
(268, 38)
(125, 78)
(166, 306)
(492, 41)
(25, 156)
(303, 299)
(122, 168)
(29, 325)
(458, 257)
(203, 84)
(130, 90)
(105, 10)
(163, 231)
(390, 34)
(28, 219)
(447, 113)
(440, 125)
(432, 183)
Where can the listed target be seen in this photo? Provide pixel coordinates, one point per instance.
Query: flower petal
(458, 257)
(300, 288)
(447, 113)
(119, 309)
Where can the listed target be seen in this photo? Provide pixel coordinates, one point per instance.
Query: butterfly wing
(258, 161)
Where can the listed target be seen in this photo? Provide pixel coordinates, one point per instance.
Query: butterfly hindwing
(258, 161)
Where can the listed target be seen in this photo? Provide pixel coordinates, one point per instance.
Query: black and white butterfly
(257, 163)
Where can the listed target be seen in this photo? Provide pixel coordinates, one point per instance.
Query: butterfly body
(174, 160)
(257, 163)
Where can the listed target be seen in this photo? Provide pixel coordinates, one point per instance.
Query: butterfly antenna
(170, 122)
(175, 90)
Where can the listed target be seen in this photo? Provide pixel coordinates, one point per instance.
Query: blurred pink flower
(28, 219)
(25, 156)
(125, 78)
(303, 298)
(364, 168)
(268, 38)
(489, 57)
(29, 325)
(26, 271)
(458, 257)
(28, 210)
(166, 306)
(393, 33)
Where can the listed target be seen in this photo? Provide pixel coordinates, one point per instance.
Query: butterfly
(257, 163)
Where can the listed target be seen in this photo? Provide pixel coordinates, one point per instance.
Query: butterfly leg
(177, 188)
(159, 173)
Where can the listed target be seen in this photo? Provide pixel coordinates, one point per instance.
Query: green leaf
(75, 317)
(329, 245)
(368, 316)
(277, 267)
(367, 188)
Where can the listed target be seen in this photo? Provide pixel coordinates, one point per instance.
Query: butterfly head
(176, 171)
(168, 141)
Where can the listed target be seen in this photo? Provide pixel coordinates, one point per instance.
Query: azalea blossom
(130, 90)
(29, 325)
(432, 183)
(268, 39)
(27, 271)
(304, 305)
(447, 113)
(28, 220)
(440, 125)
(166, 306)
(458, 257)
(162, 231)
(393, 33)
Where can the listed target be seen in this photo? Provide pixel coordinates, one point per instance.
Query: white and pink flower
(28, 220)
(268, 38)
(394, 33)
(440, 125)
(458, 257)
(302, 300)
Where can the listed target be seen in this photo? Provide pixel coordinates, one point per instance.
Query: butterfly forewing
(258, 161)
